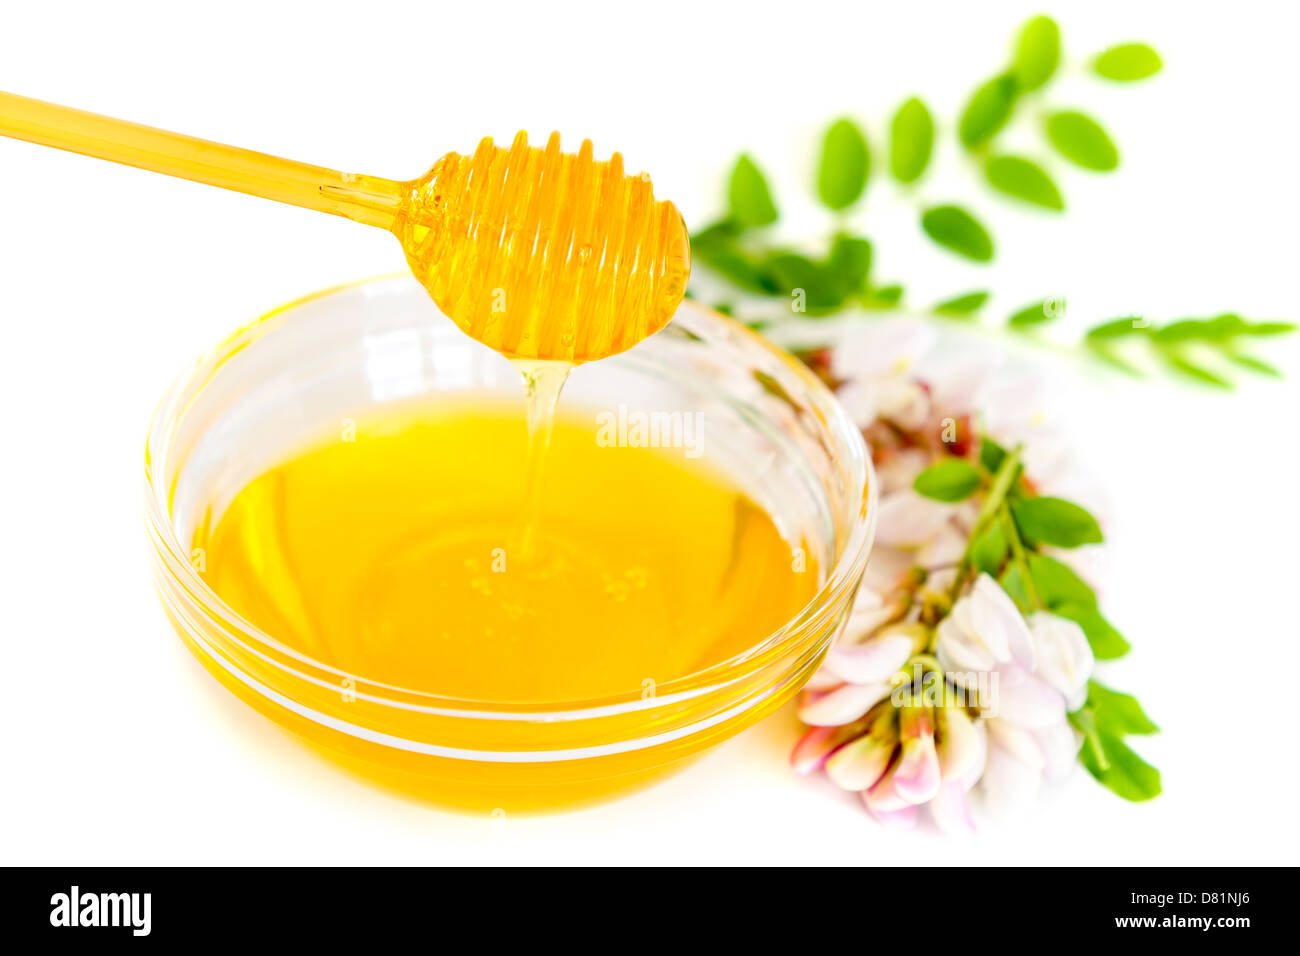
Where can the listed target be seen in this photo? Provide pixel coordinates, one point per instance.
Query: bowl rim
(861, 487)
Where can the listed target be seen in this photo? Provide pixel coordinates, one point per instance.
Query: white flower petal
(907, 519)
(859, 401)
(956, 377)
(1020, 697)
(1008, 784)
(960, 747)
(1063, 654)
(959, 652)
(1019, 742)
(945, 548)
(1060, 745)
(878, 349)
(998, 622)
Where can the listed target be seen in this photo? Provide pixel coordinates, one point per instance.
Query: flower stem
(1020, 557)
(1003, 479)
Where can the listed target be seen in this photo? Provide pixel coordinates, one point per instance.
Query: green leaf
(1253, 364)
(845, 163)
(718, 248)
(881, 297)
(1012, 582)
(1118, 712)
(990, 549)
(1103, 352)
(1193, 371)
(1115, 328)
(911, 140)
(850, 260)
(963, 304)
(1106, 642)
(1082, 141)
(1128, 62)
(1055, 521)
(991, 454)
(1036, 314)
(1038, 52)
(1268, 328)
(748, 196)
(1058, 585)
(1022, 179)
(958, 231)
(1123, 771)
(952, 479)
(1218, 329)
(823, 289)
(988, 110)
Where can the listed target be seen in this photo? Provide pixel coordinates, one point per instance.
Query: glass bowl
(765, 420)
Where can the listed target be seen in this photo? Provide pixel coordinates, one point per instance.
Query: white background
(118, 748)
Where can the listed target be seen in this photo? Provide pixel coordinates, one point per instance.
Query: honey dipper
(536, 253)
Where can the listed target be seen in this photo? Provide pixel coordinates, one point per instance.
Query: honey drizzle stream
(543, 381)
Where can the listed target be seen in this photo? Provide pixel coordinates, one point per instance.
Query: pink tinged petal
(810, 753)
(842, 705)
(860, 763)
(1007, 783)
(951, 811)
(872, 662)
(1063, 654)
(916, 775)
(908, 520)
(1060, 745)
(917, 778)
(883, 798)
(823, 680)
(1020, 697)
(959, 744)
(998, 622)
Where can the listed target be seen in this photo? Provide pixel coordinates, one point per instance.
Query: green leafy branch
(1201, 350)
(740, 249)
(1013, 525)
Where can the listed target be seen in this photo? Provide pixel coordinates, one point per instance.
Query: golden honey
(395, 556)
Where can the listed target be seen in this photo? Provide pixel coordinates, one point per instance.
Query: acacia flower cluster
(966, 667)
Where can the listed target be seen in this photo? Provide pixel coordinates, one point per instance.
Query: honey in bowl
(392, 556)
